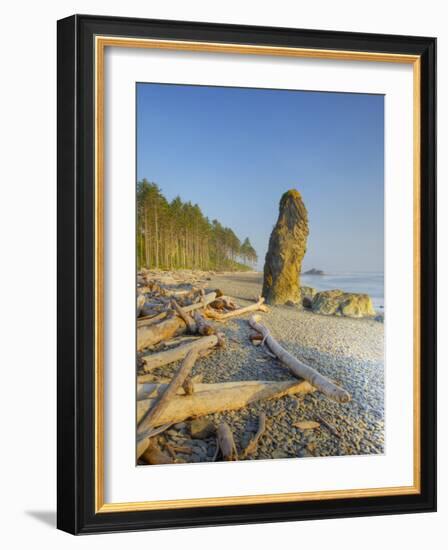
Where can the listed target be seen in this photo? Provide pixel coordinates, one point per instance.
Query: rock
(357, 305)
(200, 447)
(278, 453)
(304, 453)
(246, 437)
(307, 294)
(314, 271)
(211, 451)
(172, 433)
(348, 304)
(287, 246)
(180, 426)
(200, 428)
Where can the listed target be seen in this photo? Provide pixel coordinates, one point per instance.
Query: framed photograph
(246, 274)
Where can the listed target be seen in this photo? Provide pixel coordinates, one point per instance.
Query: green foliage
(176, 235)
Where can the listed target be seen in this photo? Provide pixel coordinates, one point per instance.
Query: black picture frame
(76, 255)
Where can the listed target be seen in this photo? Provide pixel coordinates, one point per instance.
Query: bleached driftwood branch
(186, 318)
(203, 328)
(151, 334)
(223, 302)
(154, 455)
(188, 386)
(258, 306)
(253, 443)
(298, 368)
(155, 360)
(151, 319)
(205, 300)
(211, 398)
(226, 443)
(153, 415)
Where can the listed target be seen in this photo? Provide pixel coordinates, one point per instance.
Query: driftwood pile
(179, 320)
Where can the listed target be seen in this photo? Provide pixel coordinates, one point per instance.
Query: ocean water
(367, 283)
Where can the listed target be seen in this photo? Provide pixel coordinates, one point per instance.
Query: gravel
(348, 351)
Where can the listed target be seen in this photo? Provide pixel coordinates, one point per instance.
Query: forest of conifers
(177, 235)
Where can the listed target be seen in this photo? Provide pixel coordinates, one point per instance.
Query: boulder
(347, 304)
(287, 246)
(307, 294)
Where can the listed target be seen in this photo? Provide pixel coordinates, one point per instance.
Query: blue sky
(234, 151)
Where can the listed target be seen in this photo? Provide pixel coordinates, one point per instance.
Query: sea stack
(287, 246)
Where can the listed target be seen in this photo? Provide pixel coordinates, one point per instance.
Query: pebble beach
(348, 351)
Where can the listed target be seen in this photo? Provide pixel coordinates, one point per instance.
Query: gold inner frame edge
(101, 42)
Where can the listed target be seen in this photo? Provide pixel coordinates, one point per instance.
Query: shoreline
(348, 351)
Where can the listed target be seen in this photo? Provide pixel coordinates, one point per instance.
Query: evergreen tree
(177, 235)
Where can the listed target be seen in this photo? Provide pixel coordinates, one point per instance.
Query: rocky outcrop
(287, 246)
(338, 302)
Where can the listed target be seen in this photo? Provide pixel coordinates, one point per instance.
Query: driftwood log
(140, 303)
(185, 316)
(223, 302)
(188, 387)
(299, 369)
(203, 328)
(205, 300)
(151, 334)
(154, 455)
(211, 398)
(226, 443)
(152, 319)
(253, 443)
(143, 444)
(153, 415)
(155, 360)
(258, 306)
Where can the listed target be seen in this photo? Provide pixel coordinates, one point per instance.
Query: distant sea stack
(287, 246)
(314, 271)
